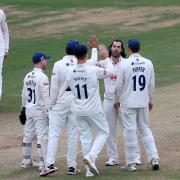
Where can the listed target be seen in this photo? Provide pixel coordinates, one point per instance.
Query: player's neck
(81, 61)
(39, 66)
(115, 59)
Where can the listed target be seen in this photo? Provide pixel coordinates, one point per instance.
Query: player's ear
(42, 61)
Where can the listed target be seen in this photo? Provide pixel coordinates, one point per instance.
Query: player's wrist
(22, 106)
(106, 57)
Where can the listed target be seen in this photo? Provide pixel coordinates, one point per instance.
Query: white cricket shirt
(83, 81)
(110, 82)
(60, 93)
(135, 85)
(35, 93)
(4, 34)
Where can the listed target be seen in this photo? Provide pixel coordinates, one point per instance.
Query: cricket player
(135, 88)
(60, 113)
(86, 105)
(35, 98)
(117, 55)
(4, 44)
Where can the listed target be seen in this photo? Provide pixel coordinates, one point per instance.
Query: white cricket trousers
(86, 125)
(58, 116)
(36, 125)
(113, 115)
(134, 118)
(1, 67)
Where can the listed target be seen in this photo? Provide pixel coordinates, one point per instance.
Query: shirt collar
(81, 65)
(38, 69)
(120, 58)
(135, 55)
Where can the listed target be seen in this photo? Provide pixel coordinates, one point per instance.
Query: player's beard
(43, 67)
(116, 54)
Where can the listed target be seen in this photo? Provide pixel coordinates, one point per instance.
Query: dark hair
(81, 51)
(69, 51)
(135, 50)
(123, 54)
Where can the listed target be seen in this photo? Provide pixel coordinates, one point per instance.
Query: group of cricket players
(72, 98)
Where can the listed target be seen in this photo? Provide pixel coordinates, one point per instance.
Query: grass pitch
(30, 30)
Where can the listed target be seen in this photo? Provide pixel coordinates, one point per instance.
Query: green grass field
(30, 30)
(161, 44)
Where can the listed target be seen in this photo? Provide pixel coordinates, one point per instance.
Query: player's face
(44, 64)
(116, 49)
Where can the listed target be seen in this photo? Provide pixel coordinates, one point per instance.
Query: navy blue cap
(71, 45)
(81, 50)
(134, 44)
(38, 56)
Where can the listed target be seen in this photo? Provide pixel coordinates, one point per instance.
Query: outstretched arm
(151, 89)
(93, 43)
(23, 104)
(55, 83)
(108, 69)
(44, 85)
(104, 53)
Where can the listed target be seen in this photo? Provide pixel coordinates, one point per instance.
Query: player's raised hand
(103, 51)
(93, 41)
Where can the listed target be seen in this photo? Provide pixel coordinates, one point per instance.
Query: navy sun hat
(81, 50)
(38, 56)
(134, 44)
